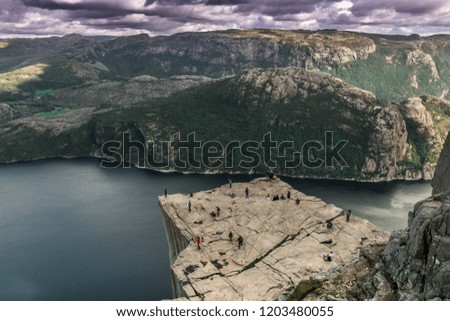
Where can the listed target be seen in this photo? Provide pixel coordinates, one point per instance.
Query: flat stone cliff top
(283, 242)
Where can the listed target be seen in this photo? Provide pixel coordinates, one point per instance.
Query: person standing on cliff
(289, 195)
(165, 191)
(246, 192)
(240, 241)
(348, 215)
(218, 210)
(230, 182)
(329, 257)
(189, 205)
(230, 236)
(197, 241)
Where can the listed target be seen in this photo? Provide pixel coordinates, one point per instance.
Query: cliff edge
(441, 179)
(284, 242)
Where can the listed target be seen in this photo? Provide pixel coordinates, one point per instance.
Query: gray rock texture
(283, 241)
(6, 112)
(413, 265)
(416, 261)
(441, 180)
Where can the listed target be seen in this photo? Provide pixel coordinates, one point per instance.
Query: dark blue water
(70, 230)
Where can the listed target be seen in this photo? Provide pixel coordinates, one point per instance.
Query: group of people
(330, 255)
(277, 197)
(240, 239)
(216, 213)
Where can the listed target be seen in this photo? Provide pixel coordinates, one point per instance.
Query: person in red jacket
(197, 241)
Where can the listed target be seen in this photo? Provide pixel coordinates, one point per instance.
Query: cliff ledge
(284, 242)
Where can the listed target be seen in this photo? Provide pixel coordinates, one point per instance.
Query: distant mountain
(392, 67)
(66, 96)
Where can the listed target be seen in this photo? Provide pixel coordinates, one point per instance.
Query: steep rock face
(6, 112)
(420, 124)
(383, 126)
(224, 53)
(418, 57)
(387, 143)
(357, 281)
(416, 261)
(177, 241)
(413, 265)
(282, 85)
(382, 130)
(441, 180)
(441, 104)
(415, 112)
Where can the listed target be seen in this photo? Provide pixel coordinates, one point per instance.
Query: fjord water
(70, 230)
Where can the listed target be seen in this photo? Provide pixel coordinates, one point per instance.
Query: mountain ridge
(221, 53)
(387, 140)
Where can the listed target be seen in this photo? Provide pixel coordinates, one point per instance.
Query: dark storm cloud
(57, 5)
(91, 9)
(103, 9)
(197, 2)
(264, 7)
(169, 16)
(363, 8)
(156, 25)
(282, 7)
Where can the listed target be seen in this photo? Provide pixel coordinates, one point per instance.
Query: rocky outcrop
(441, 180)
(415, 264)
(416, 261)
(177, 241)
(6, 112)
(283, 85)
(400, 141)
(357, 281)
(387, 143)
(284, 242)
(218, 54)
(418, 57)
(422, 128)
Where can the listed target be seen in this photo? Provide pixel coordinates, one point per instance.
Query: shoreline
(173, 171)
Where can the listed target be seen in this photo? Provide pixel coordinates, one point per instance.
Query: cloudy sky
(123, 17)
